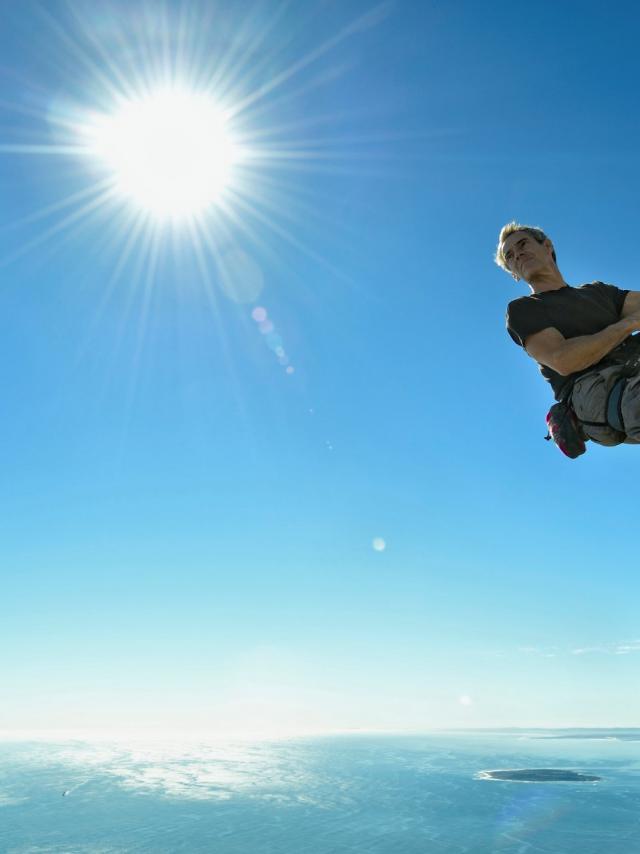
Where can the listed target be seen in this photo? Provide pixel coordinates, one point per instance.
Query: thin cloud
(585, 650)
(626, 648)
(618, 648)
(612, 648)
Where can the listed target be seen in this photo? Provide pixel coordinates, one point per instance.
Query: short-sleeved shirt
(582, 310)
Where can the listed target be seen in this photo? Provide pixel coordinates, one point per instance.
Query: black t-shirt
(584, 310)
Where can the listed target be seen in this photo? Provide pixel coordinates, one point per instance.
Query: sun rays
(156, 117)
(181, 125)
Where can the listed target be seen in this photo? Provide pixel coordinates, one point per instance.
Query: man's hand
(633, 321)
(631, 304)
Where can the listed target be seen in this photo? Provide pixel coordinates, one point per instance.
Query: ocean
(402, 794)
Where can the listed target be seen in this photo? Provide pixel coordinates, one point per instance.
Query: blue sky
(186, 530)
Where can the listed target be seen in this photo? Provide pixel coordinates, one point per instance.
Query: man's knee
(604, 435)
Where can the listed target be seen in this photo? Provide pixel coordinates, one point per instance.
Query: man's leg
(589, 401)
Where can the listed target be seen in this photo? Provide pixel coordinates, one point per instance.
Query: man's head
(524, 250)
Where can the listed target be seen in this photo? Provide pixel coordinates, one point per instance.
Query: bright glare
(171, 153)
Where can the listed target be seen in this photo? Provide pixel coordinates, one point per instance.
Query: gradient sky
(186, 530)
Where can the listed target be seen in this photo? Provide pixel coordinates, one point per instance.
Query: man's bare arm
(568, 355)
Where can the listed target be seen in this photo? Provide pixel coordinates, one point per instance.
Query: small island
(539, 775)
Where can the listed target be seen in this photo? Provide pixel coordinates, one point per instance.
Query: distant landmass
(539, 775)
(582, 733)
(597, 735)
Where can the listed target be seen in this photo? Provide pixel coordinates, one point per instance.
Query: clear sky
(187, 527)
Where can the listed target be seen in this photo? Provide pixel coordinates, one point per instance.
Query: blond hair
(511, 228)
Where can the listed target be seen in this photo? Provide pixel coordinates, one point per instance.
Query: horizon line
(21, 735)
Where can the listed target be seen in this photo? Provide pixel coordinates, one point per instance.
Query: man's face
(526, 257)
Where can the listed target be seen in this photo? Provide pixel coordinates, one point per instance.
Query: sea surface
(417, 794)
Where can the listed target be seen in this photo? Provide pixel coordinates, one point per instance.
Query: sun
(171, 152)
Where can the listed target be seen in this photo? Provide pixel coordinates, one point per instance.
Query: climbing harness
(562, 424)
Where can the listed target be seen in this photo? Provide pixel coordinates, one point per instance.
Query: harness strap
(614, 405)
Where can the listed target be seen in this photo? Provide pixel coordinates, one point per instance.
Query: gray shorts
(589, 400)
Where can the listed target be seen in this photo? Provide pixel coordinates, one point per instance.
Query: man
(579, 336)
